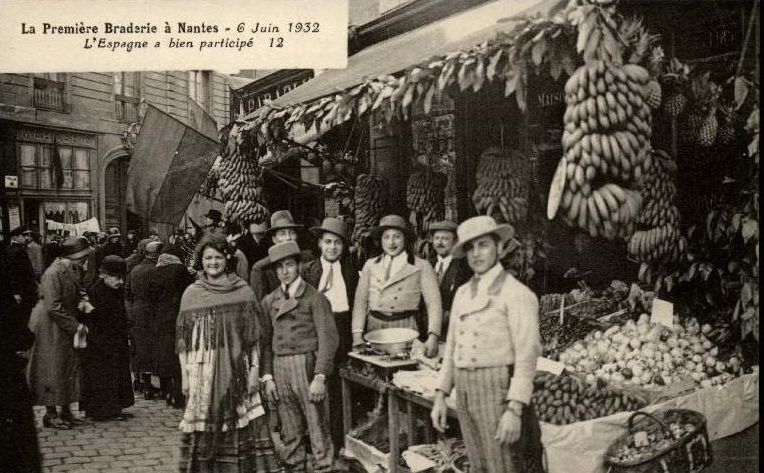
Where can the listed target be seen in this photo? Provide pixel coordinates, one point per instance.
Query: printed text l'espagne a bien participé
(132, 28)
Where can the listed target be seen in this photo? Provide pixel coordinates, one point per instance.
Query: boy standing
(298, 359)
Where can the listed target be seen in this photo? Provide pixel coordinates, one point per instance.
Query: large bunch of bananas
(425, 199)
(659, 240)
(372, 201)
(606, 146)
(502, 185)
(239, 182)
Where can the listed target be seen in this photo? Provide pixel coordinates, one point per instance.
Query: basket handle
(666, 430)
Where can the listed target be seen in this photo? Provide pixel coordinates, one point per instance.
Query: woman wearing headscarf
(106, 386)
(141, 290)
(52, 371)
(218, 345)
(172, 279)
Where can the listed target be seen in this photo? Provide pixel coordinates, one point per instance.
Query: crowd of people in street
(245, 327)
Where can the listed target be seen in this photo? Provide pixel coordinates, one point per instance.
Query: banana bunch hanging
(240, 182)
(425, 199)
(372, 201)
(502, 185)
(659, 240)
(606, 146)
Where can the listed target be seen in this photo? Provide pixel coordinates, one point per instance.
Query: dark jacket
(302, 324)
(252, 250)
(141, 288)
(21, 278)
(172, 281)
(106, 384)
(458, 273)
(312, 272)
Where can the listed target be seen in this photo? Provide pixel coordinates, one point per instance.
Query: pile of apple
(650, 355)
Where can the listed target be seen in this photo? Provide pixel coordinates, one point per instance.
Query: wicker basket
(684, 451)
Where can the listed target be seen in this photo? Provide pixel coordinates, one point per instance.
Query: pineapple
(675, 80)
(653, 90)
(727, 128)
(701, 125)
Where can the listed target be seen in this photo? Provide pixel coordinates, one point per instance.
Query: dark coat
(106, 383)
(172, 281)
(114, 249)
(141, 290)
(312, 272)
(458, 273)
(252, 250)
(18, 435)
(21, 277)
(52, 370)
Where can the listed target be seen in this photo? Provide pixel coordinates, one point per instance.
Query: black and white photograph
(379, 236)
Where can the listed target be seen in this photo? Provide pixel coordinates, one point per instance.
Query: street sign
(12, 182)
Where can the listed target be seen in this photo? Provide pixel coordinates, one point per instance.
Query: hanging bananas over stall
(425, 199)
(239, 181)
(606, 146)
(502, 185)
(660, 240)
(372, 200)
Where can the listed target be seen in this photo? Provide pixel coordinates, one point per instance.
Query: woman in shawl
(106, 386)
(218, 343)
(172, 279)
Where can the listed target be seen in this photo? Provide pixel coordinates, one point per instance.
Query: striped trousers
(480, 403)
(293, 375)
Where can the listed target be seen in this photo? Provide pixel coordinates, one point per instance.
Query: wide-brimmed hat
(114, 232)
(333, 225)
(214, 214)
(476, 227)
(444, 226)
(75, 247)
(391, 221)
(113, 265)
(282, 219)
(283, 250)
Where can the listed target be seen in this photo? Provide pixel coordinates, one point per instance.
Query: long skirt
(106, 384)
(246, 450)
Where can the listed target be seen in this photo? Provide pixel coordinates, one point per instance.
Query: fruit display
(372, 199)
(700, 123)
(606, 146)
(556, 335)
(566, 399)
(659, 240)
(650, 355)
(239, 182)
(502, 185)
(425, 199)
(674, 83)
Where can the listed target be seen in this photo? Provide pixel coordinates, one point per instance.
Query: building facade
(63, 153)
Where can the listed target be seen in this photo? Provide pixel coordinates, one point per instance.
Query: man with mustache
(451, 272)
(490, 357)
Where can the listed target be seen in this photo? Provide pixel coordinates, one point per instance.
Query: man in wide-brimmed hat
(298, 360)
(393, 285)
(451, 272)
(113, 243)
(262, 278)
(212, 223)
(490, 357)
(335, 277)
(53, 366)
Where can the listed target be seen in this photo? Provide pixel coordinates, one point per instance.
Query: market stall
(590, 135)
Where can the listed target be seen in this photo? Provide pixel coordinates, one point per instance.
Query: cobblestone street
(147, 441)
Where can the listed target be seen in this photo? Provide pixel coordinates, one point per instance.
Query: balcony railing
(126, 108)
(49, 94)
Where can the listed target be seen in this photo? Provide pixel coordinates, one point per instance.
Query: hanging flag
(58, 170)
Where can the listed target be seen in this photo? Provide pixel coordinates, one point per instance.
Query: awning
(169, 162)
(461, 31)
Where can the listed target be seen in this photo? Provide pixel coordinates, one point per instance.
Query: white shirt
(397, 263)
(487, 278)
(443, 263)
(292, 287)
(337, 293)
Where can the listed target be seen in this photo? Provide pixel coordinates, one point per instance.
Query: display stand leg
(393, 426)
(347, 407)
(411, 423)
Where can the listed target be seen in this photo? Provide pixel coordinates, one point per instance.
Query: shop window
(67, 212)
(49, 91)
(126, 96)
(38, 169)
